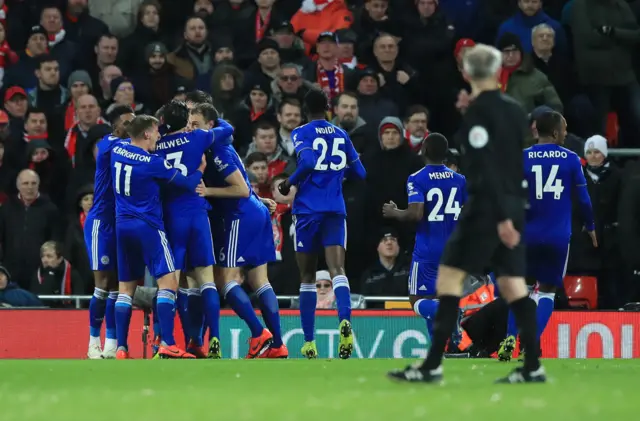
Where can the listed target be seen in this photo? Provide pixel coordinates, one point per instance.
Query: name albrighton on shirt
(131, 155)
(547, 154)
(170, 144)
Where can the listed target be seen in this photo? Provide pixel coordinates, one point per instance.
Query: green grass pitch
(302, 390)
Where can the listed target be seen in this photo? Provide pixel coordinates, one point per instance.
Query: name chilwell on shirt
(170, 144)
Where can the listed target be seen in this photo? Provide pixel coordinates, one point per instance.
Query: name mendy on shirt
(169, 144)
(440, 175)
(547, 154)
(131, 155)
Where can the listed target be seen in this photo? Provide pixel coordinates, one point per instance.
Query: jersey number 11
(127, 178)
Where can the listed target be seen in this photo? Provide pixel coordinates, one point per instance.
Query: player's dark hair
(416, 109)
(435, 148)
(160, 113)
(118, 111)
(548, 123)
(289, 101)
(206, 110)
(175, 115)
(199, 97)
(315, 103)
(45, 58)
(263, 125)
(34, 110)
(141, 124)
(255, 157)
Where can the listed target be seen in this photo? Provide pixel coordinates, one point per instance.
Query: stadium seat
(582, 291)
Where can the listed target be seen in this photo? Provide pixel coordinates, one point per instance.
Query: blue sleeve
(161, 169)
(355, 165)
(580, 184)
(223, 161)
(306, 163)
(415, 192)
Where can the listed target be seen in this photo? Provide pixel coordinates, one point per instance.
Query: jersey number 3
(321, 145)
(551, 185)
(127, 177)
(452, 207)
(175, 158)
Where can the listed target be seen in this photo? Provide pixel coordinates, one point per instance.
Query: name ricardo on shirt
(325, 130)
(547, 154)
(131, 155)
(169, 144)
(440, 175)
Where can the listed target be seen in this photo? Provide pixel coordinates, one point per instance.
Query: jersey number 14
(551, 185)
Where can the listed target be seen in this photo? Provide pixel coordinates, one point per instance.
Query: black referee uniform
(492, 138)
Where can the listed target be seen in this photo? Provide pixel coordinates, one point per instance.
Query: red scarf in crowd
(254, 115)
(83, 218)
(71, 140)
(261, 25)
(28, 138)
(6, 55)
(55, 39)
(415, 146)
(505, 74)
(65, 285)
(70, 116)
(276, 225)
(338, 81)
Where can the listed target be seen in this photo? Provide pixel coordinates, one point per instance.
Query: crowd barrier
(49, 333)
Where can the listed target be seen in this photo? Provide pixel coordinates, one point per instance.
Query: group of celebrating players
(150, 212)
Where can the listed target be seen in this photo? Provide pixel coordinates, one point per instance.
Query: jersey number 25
(319, 144)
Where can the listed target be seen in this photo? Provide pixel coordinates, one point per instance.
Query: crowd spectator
(12, 295)
(347, 117)
(27, 220)
(388, 275)
(55, 276)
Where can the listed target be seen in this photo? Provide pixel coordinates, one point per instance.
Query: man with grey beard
(347, 117)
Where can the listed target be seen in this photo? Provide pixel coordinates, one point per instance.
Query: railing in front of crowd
(78, 299)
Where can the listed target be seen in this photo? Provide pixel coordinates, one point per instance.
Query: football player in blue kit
(100, 240)
(243, 238)
(187, 222)
(436, 195)
(137, 175)
(554, 175)
(325, 155)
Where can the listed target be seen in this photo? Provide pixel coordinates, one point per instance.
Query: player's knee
(127, 288)
(336, 271)
(512, 288)
(546, 288)
(203, 275)
(168, 281)
(101, 280)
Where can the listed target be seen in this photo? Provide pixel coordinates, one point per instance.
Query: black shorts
(474, 245)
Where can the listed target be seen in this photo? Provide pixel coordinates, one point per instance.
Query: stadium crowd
(387, 67)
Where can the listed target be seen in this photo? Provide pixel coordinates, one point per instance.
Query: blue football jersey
(443, 193)
(184, 152)
(103, 200)
(553, 175)
(135, 174)
(226, 161)
(321, 190)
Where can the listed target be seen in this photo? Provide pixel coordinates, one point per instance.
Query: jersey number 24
(452, 207)
(319, 144)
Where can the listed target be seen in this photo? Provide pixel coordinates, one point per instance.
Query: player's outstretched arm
(237, 188)
(580, 185)
(222, 133)
(162, 170)
(412, 214)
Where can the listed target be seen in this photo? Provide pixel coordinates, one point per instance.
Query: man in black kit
(488, 231)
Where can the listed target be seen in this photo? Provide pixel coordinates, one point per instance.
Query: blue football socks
(343, 297)
(270, 312)
(110, 315)
(545, 309)
(196, 315)
(241, 304)
(211, 301)
(97, 308)
(427, 309)
(123, 319)
(308, 302)
(182, 304)
(166, 315)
